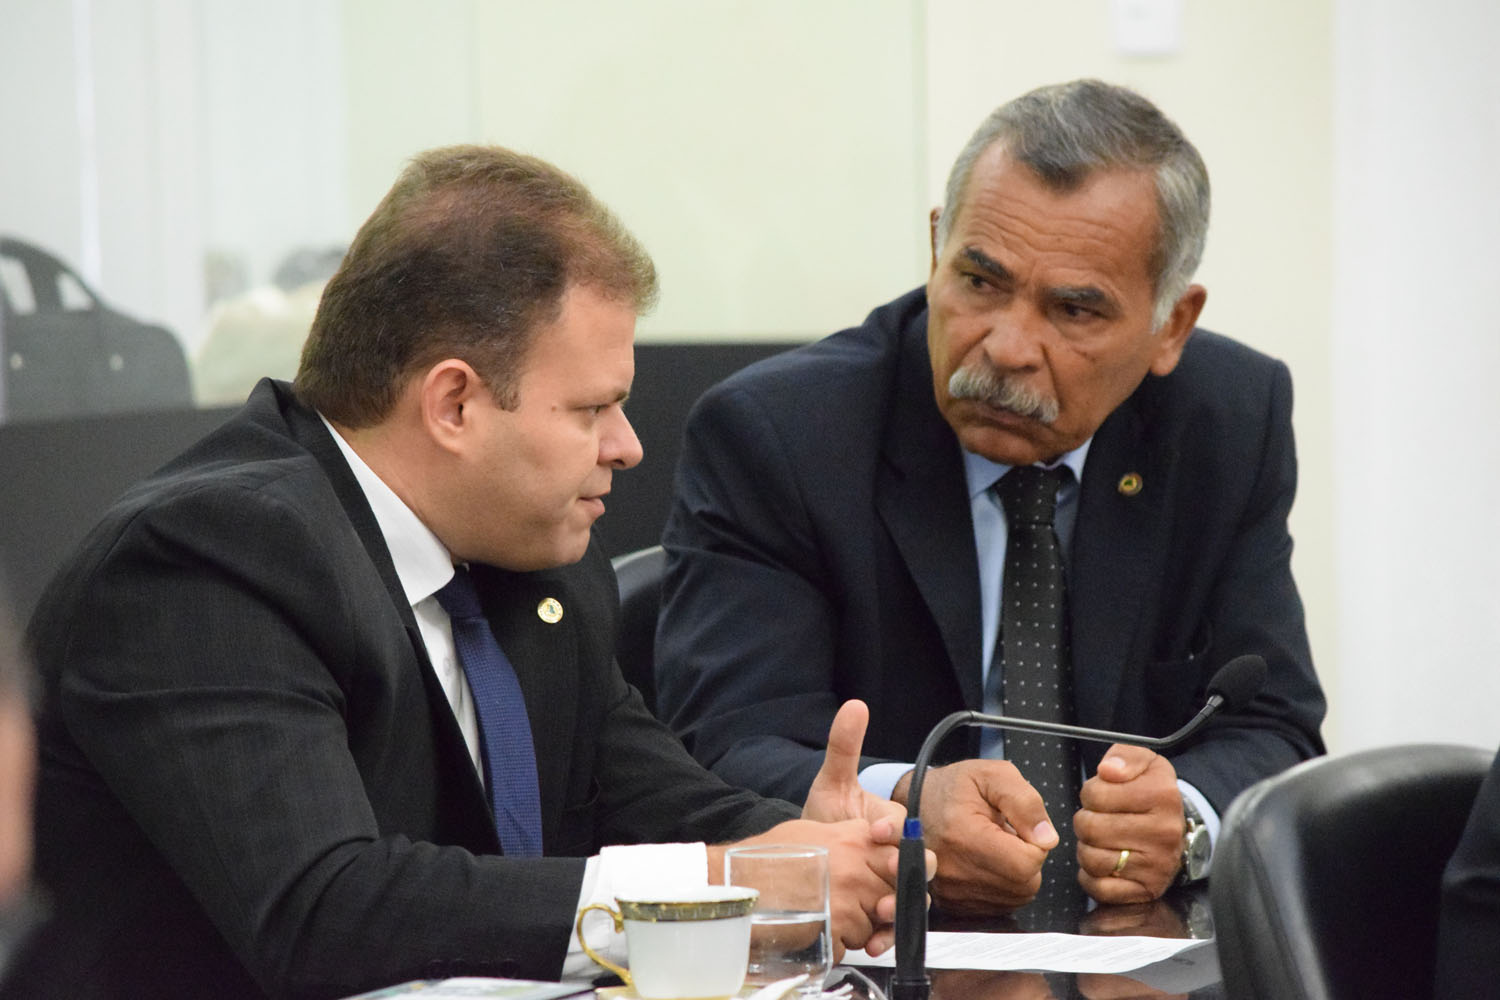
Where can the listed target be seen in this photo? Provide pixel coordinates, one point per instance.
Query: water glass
(790, 930)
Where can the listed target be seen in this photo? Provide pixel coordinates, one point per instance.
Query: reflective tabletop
(1182, 913)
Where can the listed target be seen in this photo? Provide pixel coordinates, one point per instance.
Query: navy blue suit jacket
(251, 779)
(820, 547)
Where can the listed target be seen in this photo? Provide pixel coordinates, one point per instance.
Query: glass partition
(198, 166)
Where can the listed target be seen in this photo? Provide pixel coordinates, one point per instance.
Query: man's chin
(568, 551)
(1007, 446)
(559, 552)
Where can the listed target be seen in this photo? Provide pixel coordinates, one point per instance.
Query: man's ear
(1173, 335)
(932, 224)
(445, 398)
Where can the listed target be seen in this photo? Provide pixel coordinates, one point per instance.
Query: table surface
(1182, 913)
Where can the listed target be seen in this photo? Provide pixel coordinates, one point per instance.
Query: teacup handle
(624, 974)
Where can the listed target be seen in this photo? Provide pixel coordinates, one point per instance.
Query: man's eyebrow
(591, 400)
(986, 263)
(1082, 295)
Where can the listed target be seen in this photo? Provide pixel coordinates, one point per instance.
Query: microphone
(1233, 685)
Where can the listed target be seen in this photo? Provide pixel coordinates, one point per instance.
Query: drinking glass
(790, 930)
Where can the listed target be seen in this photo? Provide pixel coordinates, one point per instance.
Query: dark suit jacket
(250, 777)
(820, 547)
(1468, 962)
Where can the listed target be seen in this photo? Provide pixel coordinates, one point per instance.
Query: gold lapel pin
(1129, 484)
(549, 611)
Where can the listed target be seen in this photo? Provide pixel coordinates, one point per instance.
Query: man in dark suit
(264, 767)
(835, 532)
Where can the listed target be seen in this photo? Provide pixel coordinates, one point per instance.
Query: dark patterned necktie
(1036, 677)
(504, 728)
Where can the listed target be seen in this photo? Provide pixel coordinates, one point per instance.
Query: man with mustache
(840, 525)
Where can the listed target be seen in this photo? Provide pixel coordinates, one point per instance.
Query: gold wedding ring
(1120, 864)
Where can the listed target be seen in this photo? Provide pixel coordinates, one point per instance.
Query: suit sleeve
(1253, 607)
(645, 786)
(652, 790)
(746, 642)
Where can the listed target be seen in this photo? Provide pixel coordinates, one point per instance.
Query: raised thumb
(846, 738)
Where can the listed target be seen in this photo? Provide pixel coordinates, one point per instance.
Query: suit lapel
(1118, 548)
(922, 498)
(529, 613)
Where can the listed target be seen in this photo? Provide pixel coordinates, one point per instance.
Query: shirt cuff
(1210, 818)
(880, 780)
(628, 870)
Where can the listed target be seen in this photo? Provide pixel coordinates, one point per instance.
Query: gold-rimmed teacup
(686, 945)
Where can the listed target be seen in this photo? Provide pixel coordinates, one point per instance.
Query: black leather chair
(1326, 878)
(639, 573)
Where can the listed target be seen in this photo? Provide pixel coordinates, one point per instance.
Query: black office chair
(639, 573)
(1326, 877)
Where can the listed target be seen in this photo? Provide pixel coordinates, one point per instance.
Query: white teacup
(691, 945)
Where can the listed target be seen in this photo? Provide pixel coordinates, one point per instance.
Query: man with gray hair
(1041, 419)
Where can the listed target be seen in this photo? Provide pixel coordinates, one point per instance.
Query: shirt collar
(423, 564)
(982, 473)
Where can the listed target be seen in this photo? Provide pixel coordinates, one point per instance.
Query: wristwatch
(1195, 845)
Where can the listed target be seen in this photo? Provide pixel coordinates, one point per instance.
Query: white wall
(1416, 351)
(762, 151)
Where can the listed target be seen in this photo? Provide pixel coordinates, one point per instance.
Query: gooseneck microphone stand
(1234, 685)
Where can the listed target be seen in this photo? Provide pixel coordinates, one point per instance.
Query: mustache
(987, 386)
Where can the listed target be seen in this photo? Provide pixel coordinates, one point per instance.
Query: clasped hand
(991, 832)
(1132, 803)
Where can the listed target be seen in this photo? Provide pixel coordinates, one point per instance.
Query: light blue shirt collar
(982, 473)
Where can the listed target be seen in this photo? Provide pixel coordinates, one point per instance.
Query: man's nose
(1014, 339)
(620, 448)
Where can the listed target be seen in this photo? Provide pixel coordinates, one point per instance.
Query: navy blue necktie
(504, 729)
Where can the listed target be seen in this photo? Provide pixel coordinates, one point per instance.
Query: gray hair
(1067, 131)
